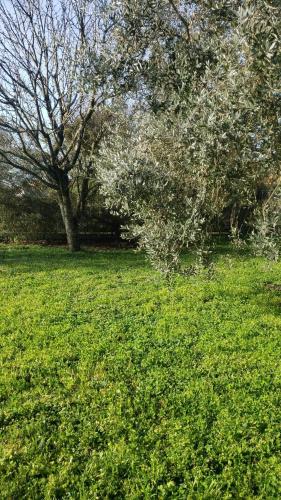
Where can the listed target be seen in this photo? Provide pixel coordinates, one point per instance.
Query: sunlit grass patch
(118, 384)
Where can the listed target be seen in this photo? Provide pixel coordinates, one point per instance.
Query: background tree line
(164, 114)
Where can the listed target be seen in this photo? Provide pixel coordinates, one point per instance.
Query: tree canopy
(170, 107)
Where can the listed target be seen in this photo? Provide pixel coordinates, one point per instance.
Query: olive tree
(168, 166)
(260, 25)
(206, 135)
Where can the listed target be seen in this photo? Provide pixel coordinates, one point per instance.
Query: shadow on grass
(31, 259)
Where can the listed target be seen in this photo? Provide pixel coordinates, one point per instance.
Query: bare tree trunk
(70, 221)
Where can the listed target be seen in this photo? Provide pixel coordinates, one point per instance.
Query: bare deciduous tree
(47, 50)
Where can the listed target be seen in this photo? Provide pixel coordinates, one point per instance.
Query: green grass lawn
(116, 384)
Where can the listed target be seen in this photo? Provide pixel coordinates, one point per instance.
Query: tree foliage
(206, 133)
(171, 106)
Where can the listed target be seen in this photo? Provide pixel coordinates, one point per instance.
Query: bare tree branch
(181, 18)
